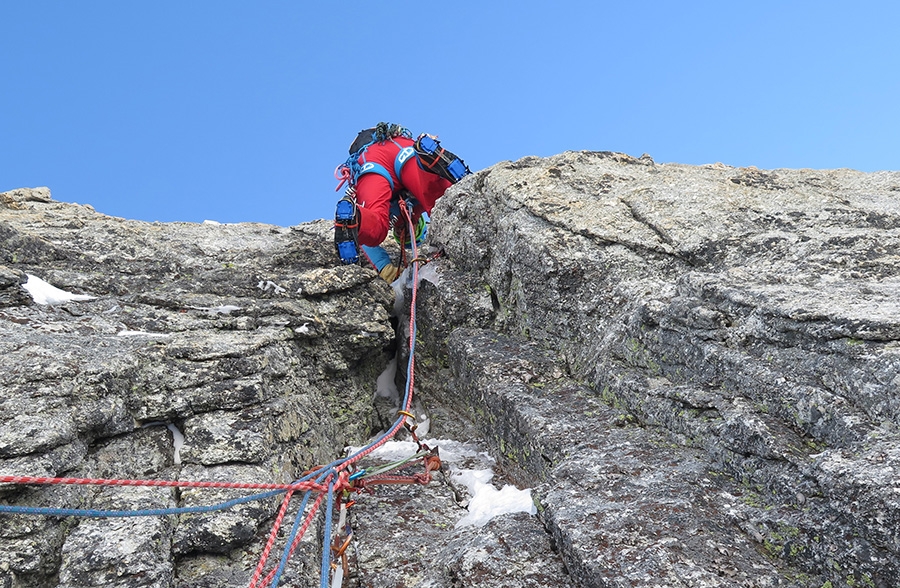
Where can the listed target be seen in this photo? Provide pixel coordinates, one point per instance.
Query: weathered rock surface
(413, 537)
(242, 337)
(695, 368)
(739, 325)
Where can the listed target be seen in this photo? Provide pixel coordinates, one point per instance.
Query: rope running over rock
(326, 481)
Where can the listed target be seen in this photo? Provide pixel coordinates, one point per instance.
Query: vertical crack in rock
(769, 361)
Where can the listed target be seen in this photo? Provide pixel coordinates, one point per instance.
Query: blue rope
(412, 312)
(323, 472)
(326, 542)
(296, 528)
(326, 537)
(282, 564)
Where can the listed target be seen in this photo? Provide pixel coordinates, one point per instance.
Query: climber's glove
(389, 273)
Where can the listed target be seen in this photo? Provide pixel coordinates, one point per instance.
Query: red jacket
(373, 191)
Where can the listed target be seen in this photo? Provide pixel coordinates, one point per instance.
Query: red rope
(342, 173)
(343, 482)
(164, 483)
(412, 306)
(300, 533)
(271, 541)
(412, 328)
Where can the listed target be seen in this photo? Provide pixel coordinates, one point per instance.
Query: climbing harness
(356, 165)
(332, 484)
(429, 155)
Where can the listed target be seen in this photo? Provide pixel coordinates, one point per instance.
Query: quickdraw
(362, 481)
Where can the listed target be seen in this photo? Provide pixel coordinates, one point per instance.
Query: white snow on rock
(224, 309)
(485, 500)
(143, 334)
(430, 272)
(266, 285)
(385, 386)
(44, 293)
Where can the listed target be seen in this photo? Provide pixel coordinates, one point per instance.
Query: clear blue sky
(240, 111)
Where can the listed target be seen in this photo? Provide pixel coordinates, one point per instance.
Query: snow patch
(224, 309)
(422, 421)
(385, 386)
(266, 285)
(452, 452)
(178, 442)
(44, 293)
(143, 334)
(429, 272)
(177, 437)
(485, 501)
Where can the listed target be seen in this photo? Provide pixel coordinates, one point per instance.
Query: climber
(388, 170)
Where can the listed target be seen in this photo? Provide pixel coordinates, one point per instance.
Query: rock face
(728, 343)
(695, 368)
(244, 338)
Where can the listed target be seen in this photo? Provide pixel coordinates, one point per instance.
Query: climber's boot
(346, 230)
